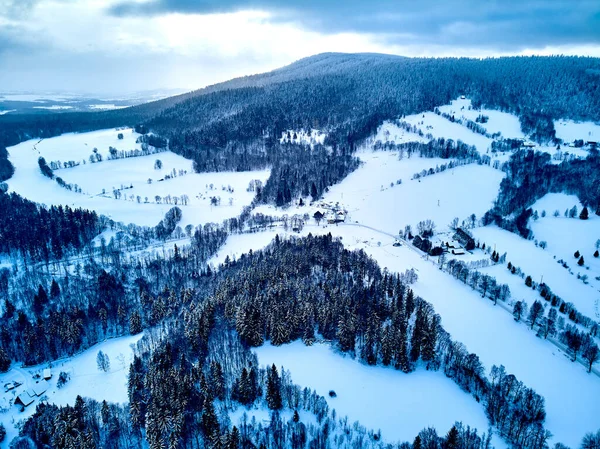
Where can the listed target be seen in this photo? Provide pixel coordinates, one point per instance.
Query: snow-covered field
(370, 198)
(498, 122)
(538, 263)
(86, 381)
(438, 126)
(390, 132)
(398, 404)
(567, 235)
(95, 178)
(568, 130)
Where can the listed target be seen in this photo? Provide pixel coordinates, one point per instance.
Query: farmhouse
(464, 239)
(47, 375)
(40, 388)
(24, 399)
(336, 217)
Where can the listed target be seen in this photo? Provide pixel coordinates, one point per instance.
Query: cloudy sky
(115, 46)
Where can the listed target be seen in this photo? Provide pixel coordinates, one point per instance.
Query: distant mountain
(347, 95)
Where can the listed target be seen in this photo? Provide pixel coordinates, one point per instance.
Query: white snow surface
(54, 107)
(438, 126)
(399, 404)
(86, 380)
(6, 111)
(390, 132)
(92, 178)
(504, 123)
(567, 235)
(569, 130)
(538, 263)
(370, 199)
(106, 107)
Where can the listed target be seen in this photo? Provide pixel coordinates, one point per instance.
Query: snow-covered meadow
(497, 121)
(86, 380)
(373, 197)
(438, 126)
(541, 265)
(398, 404)
(145, 191)
(569, 130)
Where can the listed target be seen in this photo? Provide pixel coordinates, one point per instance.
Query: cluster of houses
(26, 397)
(333, 213)
(460, 243)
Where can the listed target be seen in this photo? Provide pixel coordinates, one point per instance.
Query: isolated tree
(528, 281)
(580, 262)
(274, 400)
(576, 254)
(573, 212)
(549, 327)
(158, 164)
(590, 352)
(596, 254)
(120, 136)
(103, 361)
(574, 341)
(584, 215)
(519, 310)
(536, 311)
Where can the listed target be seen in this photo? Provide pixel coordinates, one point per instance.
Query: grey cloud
(508, 25)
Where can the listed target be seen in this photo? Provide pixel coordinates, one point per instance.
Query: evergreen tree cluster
(530, 175)
(199, 359)
(43, 233)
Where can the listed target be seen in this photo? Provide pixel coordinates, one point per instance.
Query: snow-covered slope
(498, 122)
(398, 404)
(137, 178)
(86, 380)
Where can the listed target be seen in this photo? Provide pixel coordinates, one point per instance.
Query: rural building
(464, 239)
(40, 388)
(47, 374)
(23, 399)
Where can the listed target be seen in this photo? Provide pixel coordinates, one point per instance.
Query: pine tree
(54, 290)
(451, 440)
(135, 323)
(417, 335)
(217, 381)
(580, 262)
(209, 423)
(274, 400)
(584, 215)
(417, 443)
(233, 440)
(537, 310)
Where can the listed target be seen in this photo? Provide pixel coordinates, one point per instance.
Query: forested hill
(345, 94)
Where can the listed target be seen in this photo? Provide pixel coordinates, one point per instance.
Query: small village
(23, 395)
